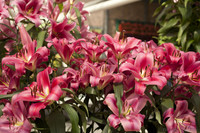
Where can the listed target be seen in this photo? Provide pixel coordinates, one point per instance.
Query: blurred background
(134, 17)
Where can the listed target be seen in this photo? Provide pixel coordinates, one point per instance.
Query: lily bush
(55, 72)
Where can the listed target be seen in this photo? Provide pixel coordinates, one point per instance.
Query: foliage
(57, 76)
(179, 22)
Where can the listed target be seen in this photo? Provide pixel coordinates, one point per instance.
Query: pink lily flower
(144, 73)
(53, 12)
(80, 6)
(67, 6)
(13, 61)
(28, 55)
(64, 48)
(173, 56)
(6, 33)
(180, 120)
(14, 119)
(29, 9)
(3, 10)
(78, 78)
(41, 92)
(60, 31)
(85, 33)
(103, 75)
(190, 70)
(120, 48)
(145, 47)
(181, 92)
(8, 83)
(130, 118)
(93, 51)
(74, 78)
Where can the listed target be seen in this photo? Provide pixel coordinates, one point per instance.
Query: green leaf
(76, 99)
(29, 26)
(185, 12)
(76, 33)
(171, 15)
(198, 47)
(184, 38)
(56, 122)
(73, 116)
(11, 67)
(187, 45)
(107, 129)
(8, 96)
(158, 116)
(163, 12)
(68, 90)
(78, 14)
(118, 90)
(196, 102)
(97, 120)
(157, 11)
(181, 30)
(196, 36)
(83, 117)
(185, 3)
(1, 112)
(60, 5)
(167, 25)
(82, 104)
(40, 39)
(166, 104)
(91, 90)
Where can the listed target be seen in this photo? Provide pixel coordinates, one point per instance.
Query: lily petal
(114, 121)
(110, 101)
(34, 110)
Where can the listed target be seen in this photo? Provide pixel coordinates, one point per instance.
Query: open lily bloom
(93, 51)
(14, 119)
(53, 12)
(143, 71)
(6, 33)
(181, 119)
(173, 56)
(190, 69)
(3, 10)
(41, 92)
(29, 9)
(85, 33)
(102, 75)
(13, 61)
(28, 55)
(130, 118)
(64, 49)
(8, 83)
(122, 47)
(60, 30)
(83, 13)
(73, 77)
